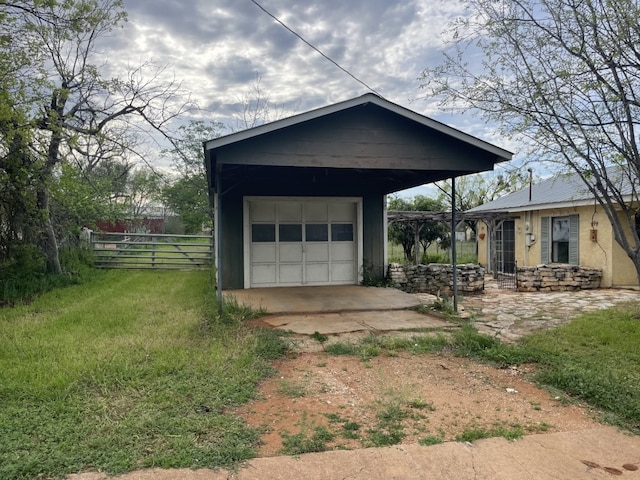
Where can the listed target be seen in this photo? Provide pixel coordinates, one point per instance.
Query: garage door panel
(290, 273)
(261, 253)
(342, 212)
(317, 252)
(263, 274)
(318, 273)
(343, 272)
(341, 252)
(290, 252)
(262, 211)
(316, 212)
(290, 212)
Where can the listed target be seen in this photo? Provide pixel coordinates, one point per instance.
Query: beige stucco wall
(604, 253)
(624, 272)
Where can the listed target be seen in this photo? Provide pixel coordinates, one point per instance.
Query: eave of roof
(365, 99)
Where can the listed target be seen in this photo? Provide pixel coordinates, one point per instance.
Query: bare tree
(564, 74)
(257, 108)
(69, 106)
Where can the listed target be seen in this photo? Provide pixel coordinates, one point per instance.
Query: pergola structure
(416, 220)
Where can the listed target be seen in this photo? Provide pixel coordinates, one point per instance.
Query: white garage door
(302, 242)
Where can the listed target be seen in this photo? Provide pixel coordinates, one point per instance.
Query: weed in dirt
(430, 440)
(367, 352)
(341, 348)
(471, 434)
(384, 436)
(420, 404)
(389, 430)
(271, 344)
(319, 337)
(303, 442)
(334, 418)
(351, 430)
(292, 389)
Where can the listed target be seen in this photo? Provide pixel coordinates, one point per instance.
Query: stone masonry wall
(557, 277)
(436, 278)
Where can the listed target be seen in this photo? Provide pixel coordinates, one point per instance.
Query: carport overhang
(365, 147)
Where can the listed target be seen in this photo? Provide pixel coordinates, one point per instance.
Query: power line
(315, 48)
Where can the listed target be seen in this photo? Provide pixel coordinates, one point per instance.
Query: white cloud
(216, 48)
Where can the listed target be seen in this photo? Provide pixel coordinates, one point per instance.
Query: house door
(505, 266)
(310, 242)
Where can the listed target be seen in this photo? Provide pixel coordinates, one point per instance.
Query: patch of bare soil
(405, 398)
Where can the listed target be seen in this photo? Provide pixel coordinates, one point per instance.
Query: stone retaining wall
(557, 277)
(436, 278)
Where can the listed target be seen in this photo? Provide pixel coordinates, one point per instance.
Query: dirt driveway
(327, 401)
(318, 401)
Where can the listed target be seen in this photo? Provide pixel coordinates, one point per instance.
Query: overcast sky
(217, 49)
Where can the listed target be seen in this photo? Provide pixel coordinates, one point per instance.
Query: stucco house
(556, 220)
(302, 200)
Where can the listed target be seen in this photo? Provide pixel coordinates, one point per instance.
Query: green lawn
(133, 370)
(594, 359)
(129, 370)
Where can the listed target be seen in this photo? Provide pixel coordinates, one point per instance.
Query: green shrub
(25, 276)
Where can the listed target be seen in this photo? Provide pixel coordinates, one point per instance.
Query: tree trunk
(47, 239)
(54, 123)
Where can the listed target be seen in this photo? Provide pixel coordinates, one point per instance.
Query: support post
(218, 241)
(454, 260)
(416, 241)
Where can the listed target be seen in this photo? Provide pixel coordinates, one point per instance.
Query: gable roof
(554, 192)
(367, 98)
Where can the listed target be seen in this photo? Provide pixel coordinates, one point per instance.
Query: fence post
(153, 252)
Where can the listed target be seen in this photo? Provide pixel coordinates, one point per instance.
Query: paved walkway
(509, 314)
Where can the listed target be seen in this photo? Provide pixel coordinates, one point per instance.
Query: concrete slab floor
(346, 322)
(324, 299)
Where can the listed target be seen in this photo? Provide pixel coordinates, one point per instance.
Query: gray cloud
(218, 48)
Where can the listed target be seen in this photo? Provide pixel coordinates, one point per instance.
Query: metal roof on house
(562, 190)
(553, 192)
(367, 98)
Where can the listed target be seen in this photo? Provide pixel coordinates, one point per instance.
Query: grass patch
(512, 432)
(431, 440)
(420, 404)
(389, 430)
(341, 348)
(373, 345)
(303, 442)
(129, 370)
(292, 389)
(595, 358)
